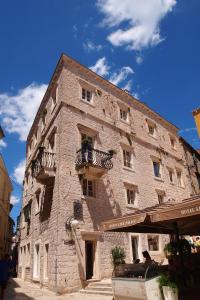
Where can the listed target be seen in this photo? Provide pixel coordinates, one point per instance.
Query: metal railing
(44, 159)
(92, 157)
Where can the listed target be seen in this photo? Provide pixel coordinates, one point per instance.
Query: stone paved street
(20, 290)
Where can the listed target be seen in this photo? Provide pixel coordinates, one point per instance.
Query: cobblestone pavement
(20, 290)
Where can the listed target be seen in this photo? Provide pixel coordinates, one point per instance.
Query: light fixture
(1, 133)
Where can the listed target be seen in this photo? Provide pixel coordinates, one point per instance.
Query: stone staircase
(103, 287)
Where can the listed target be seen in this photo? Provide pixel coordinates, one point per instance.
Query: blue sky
(150, 47)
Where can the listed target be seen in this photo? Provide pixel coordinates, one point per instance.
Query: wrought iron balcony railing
(44, 161)
(94, 158)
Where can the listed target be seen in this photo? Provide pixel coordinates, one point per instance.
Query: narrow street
(20, 290)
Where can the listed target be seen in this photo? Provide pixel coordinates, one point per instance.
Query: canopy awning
(161, 219)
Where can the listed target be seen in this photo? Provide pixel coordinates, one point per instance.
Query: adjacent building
(5, 220)
(94, 153)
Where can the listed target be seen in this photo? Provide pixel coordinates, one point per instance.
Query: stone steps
(103, 287)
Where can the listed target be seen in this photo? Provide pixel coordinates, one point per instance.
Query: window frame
(86, 92)
(157, 161)
(93, 185)
(127, 163)
(159, 242)
(151, 124)
(181, 182)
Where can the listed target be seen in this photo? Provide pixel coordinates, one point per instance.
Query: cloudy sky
(149, 47)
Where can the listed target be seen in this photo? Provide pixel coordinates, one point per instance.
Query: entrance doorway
(134, 245)
(90, 249)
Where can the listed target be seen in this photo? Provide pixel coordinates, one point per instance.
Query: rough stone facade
(50, 252)
(5, 221)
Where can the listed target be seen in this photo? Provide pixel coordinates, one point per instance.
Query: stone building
(5, 191)
(192, 163)
(94, 153)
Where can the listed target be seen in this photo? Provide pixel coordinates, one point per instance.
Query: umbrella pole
(177, 238)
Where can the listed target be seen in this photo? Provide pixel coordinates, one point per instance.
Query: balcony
(43, 167)
(93, 162)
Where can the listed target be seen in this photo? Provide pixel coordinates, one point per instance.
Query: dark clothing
(4, 270)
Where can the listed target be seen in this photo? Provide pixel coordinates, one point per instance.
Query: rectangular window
(151, 129)
(86, 95)
(130, 196)
(160, 198)
(37, 202)
(173, 142)
(54, 95)
(88, 187)
(127, 157)
(179, 178)
(52, 143)
(124, 115)
(171, 176)
(157, 169)
(46, 258)
(153, 242)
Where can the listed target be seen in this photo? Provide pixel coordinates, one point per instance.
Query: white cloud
(90, 46)
(2, 144)
(101, 67)
(139, 59)
(122, 75)
(142, 16)
(14, 200)
(18, 173)
(17, 111)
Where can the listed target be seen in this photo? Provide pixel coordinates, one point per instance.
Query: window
(151, 128)
(173, 142)
(52, 142)
(88, 187)
(85, 137)
(30, 148)
(153, 242)
(198, 178)
(127, 157)
(86, 95)
(130, 195)
(171, 175)
(157, 169)
(37, 202)
(46, 258)
(161, 195)
(28, 255)
(179, 178)
(124, 115)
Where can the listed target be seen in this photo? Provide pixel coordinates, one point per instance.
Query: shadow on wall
(104, 207)
(47, 200)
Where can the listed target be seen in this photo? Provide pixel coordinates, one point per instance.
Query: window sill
(157, 252)
(88, 103)
(152, 136)
(125, 122)
(131, 206)
(128, 169)
(158, 179)
(36, 279)
(88, 198)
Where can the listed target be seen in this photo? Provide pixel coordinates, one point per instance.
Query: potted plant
(168, 287)
(112, 152)
(118, 258)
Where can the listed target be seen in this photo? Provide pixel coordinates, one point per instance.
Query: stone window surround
(87, 87)
(128, 148)
(169, 169)
(179, 171)
(173, 142)
(155, 159)
(134, 187)
(150, 123)
(45, 264)
(94, 188)
(138, 235)
(87, 131)
(159, 243)
(49, 137)
(121, 109)
(161, 193)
